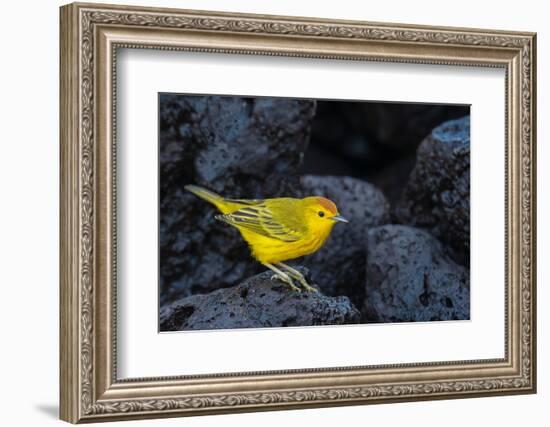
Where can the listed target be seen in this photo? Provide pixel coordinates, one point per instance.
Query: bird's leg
(298, 276)
(282, 276)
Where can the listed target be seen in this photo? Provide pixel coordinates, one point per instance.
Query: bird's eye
(321, 214)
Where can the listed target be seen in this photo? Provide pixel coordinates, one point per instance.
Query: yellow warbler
(278, 229)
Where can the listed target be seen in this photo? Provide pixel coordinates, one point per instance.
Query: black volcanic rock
(339, 266)
(238, 147)
(411, 278)
(437, 196)
(257, 302)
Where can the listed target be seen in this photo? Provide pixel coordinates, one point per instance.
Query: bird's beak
(339, 218)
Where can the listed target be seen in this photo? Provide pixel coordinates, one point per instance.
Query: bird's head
(321, 213)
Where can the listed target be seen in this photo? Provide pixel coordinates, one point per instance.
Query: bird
(278, 229)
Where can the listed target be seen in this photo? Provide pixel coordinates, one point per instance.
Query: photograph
(288, 212)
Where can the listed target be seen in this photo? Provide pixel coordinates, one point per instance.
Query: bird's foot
(286, 279)
(306, 285)
(295, 274)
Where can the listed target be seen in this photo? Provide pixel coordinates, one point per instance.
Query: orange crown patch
(328, 204)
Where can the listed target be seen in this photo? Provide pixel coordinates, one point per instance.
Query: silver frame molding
(90, 37)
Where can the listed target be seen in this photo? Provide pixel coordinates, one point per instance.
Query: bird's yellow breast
(268, 250)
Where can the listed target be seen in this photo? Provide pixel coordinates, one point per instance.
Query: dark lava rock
(411, 278)
(339, 266)
(437, 196)
(256, 303)
(238, 147)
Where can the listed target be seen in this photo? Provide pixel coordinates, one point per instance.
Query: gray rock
(339, 266)
(256, 303)
(411, 278)
(437, 196)
(238, 147)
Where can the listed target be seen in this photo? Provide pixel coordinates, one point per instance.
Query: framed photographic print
(266, 212)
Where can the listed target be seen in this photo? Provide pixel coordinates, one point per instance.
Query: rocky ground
(404, 256)
(257, 302)
(410, 277)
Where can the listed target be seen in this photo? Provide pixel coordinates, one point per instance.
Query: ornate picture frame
(90, 37)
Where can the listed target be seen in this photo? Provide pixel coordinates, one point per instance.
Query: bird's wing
(262, 220)
(246, 202)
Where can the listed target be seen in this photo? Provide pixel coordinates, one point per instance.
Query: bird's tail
(222, 204)
(205, 194)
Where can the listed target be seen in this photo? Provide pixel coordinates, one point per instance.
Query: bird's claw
(286, 280)
(289, 282)
(308, 287)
